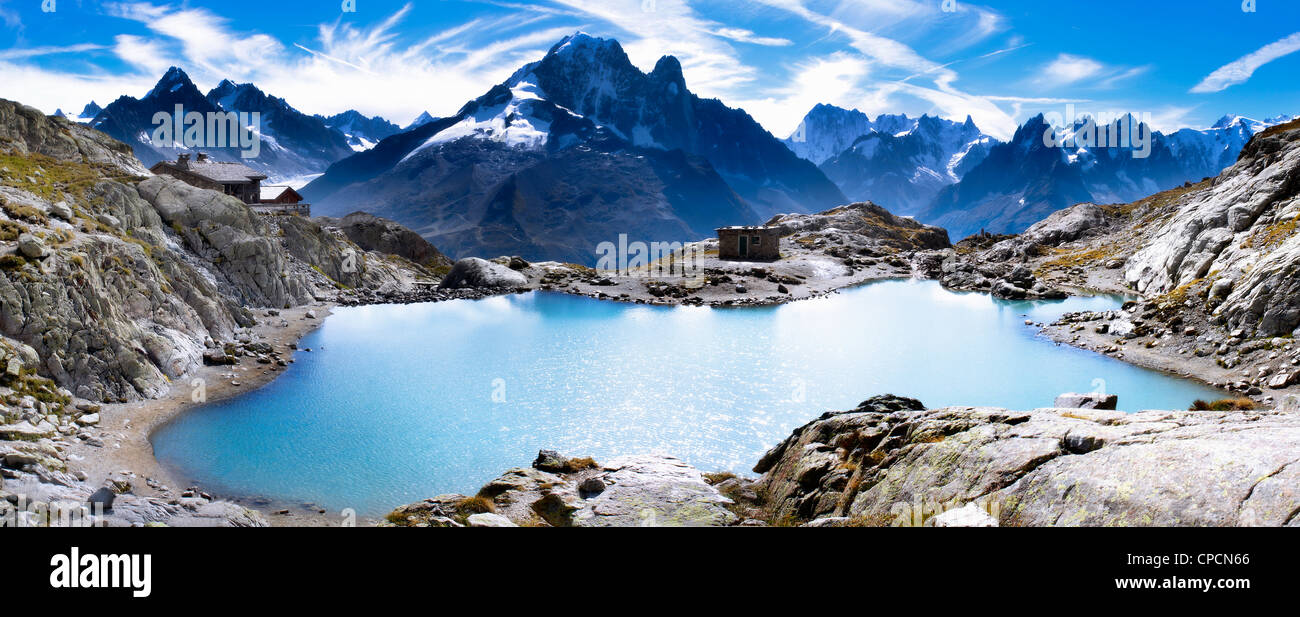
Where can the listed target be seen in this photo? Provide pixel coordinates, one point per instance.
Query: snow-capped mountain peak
(517, 115)
(362, 132)
(1022, 182)
(572, 148)
(423, 119)
(893, 160)
(174, 80)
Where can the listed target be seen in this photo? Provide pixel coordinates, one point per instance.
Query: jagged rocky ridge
(894, 160)
(361, 131)
(292, 144)
(1022, 181)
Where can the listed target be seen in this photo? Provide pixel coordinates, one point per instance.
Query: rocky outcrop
(888, 463)
(868, 225)
(40, 497)
(118, 283)
(475, 273)
(634, 491)
(27, 131)
(222, 231)
(1087, 401)
(373, 233)
(1235, 237)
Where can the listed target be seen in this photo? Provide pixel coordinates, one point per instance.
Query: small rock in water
(550, 460)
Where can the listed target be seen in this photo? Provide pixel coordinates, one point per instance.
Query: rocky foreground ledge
(893, 462)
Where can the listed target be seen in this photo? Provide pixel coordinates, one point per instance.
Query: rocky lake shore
(892, 462)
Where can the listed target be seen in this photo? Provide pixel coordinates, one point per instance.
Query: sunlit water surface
(399, 403)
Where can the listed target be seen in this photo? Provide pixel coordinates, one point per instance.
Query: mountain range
(896, 160)
(572, 151)
(582, 146)
(362, 132)
(292, 144)
(952, 175)
(1021, 182)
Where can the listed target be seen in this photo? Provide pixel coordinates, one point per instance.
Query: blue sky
(1183, 62)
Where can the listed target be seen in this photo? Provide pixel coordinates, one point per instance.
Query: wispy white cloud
(1239, 71)
(1081, 71)
(50, 50)
(9, 16)
(149, 55)
(375, 69)
(834, 80)
(1170, 118)
(1068, 69)
(748, 36)
(939, 95)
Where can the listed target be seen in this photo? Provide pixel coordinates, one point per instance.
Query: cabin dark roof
(224, 173)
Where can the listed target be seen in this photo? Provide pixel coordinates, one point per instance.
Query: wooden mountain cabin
(237, 180)
(281, 200)
(234, 179)
(749, 243)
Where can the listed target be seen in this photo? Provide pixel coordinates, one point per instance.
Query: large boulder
(634, 491)
(31, 247)
(1040, 468)
(244, 252)
(1067, 225)
(373, 233)
(654, 491)
(1093, 400)
(475, 273)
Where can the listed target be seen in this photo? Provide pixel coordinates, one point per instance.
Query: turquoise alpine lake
(399, 403)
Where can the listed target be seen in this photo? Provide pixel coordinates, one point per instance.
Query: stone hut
(749, 243)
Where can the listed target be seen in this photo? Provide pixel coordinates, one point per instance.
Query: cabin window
(757, 240)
